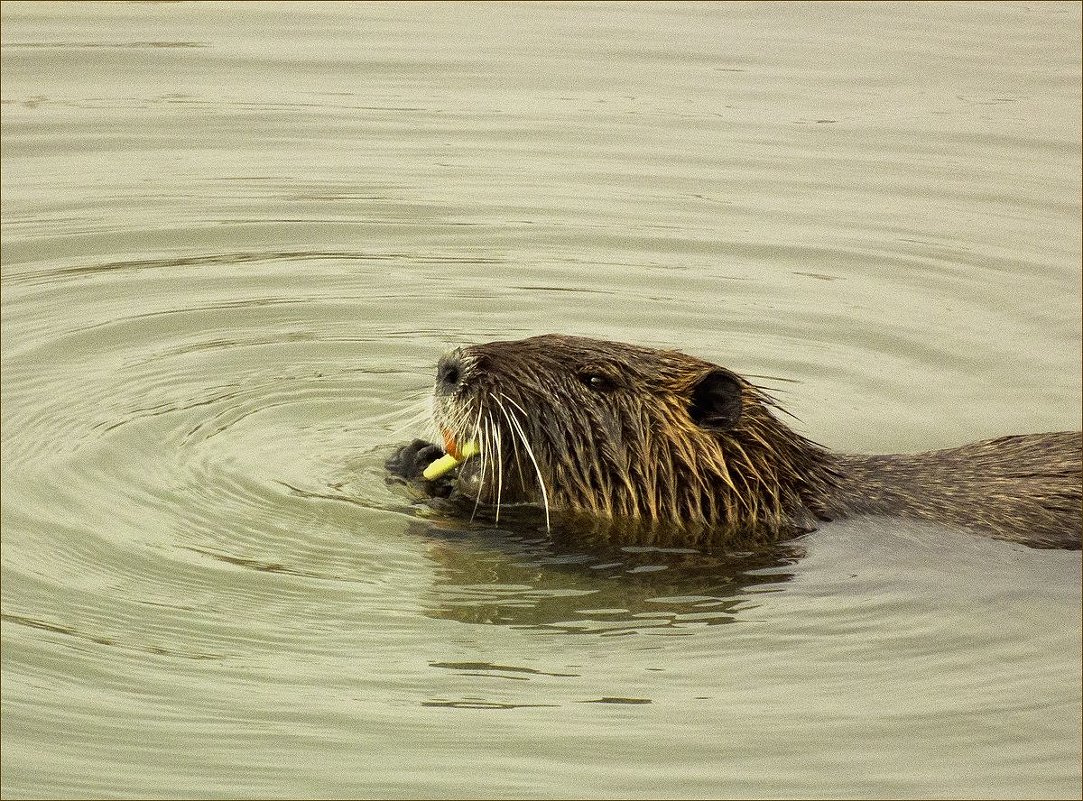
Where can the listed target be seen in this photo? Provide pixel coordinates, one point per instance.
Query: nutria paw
(409, 462)
(411, 459)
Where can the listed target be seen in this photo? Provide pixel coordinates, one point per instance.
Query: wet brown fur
(627, 432)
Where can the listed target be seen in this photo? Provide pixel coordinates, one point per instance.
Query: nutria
(629, 433)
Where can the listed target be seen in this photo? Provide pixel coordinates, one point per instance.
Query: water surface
(237, 238)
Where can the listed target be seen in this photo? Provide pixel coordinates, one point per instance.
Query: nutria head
(625, 432)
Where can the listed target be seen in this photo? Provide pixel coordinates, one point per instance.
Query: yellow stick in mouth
(447, 461)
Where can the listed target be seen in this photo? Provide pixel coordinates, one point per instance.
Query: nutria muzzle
(627, 433)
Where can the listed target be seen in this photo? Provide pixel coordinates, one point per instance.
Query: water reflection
(565, 582)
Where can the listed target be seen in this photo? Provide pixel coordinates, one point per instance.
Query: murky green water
(236, 239)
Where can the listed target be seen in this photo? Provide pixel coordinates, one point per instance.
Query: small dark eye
(597, 381)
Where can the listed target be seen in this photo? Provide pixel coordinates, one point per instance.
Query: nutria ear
(716, 401)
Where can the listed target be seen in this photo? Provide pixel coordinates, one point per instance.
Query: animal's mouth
(493, 428)
(451, 445)
(458, 422)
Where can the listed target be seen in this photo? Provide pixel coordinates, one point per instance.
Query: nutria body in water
(622, 432)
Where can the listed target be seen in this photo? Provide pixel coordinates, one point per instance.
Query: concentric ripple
(233, 253)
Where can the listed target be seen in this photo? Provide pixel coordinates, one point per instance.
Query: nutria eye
(597, 382)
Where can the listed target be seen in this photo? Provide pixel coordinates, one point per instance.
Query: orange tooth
(450, 446)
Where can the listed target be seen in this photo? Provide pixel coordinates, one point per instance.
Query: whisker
(476, 434)
(481, 438)
(495, 436)
(514, 444)
(529, 452)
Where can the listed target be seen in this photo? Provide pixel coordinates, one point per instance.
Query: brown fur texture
(632, 433)
(1024, 488)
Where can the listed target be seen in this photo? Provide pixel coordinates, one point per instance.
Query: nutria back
(1024, 488)
(622, 432)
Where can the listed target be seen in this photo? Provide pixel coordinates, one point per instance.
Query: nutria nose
(449, 372)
